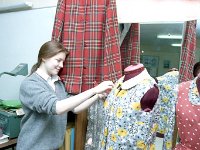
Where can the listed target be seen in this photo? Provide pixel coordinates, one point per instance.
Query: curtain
(130, 47)
(187, 59)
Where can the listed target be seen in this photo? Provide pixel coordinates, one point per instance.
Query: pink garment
(188, 120)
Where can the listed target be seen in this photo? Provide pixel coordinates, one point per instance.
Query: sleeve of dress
(35, 97)
(59, 21)
(149, 99)
(169, 113)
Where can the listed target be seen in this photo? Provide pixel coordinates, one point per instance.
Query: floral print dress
(126, 126)
(167, 85)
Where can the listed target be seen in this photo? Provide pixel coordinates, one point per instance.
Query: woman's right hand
(103, 86)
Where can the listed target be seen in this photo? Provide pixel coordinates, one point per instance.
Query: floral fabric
(167, 85)
(126, 126)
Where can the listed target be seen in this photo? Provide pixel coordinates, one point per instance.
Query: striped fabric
(89, 29)
(130, 48)
(188, 51)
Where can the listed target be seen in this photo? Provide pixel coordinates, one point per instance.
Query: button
(82, 18)
(85, 44)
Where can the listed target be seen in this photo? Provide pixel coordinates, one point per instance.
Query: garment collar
(135, 80)
(46, 76)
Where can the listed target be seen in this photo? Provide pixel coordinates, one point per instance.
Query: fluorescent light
(169, 36)
(176, 44)
(15, 6)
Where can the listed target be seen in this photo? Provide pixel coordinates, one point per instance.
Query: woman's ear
(43, 60)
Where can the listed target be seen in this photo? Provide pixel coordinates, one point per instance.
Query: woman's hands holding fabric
(103, 87)
(103, 96)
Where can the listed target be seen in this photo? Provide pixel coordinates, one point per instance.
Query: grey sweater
(41, 128)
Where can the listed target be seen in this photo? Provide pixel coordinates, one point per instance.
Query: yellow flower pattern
(113, 137)
(152, 147)
(165, 99)
(106, 132)
(161, 109)
(155, 127)
(110, 148)
(165, 118)
(136, 106)
(195, 91)
(102, 143)
(119, 112)
(122, 132)
(169, 145)
(121, 93)
(162, 131)
(140, 123)
(167, 87)
(141, 144)
(105, 104)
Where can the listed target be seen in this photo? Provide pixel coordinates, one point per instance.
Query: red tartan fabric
(89, 29)
(130, 48)
(188, 52)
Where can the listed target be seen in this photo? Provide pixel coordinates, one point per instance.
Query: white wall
(21, 35)
(36, 3)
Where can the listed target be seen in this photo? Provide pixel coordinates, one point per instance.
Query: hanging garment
(167, 85)
(126, 126)
(188, 49)
(130, 47)
(123, 31)
(187, 115)
(89, 30)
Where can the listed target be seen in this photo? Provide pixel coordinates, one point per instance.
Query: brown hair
(48, 50)
(196, 69)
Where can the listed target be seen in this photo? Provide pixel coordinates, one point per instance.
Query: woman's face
(53, 65)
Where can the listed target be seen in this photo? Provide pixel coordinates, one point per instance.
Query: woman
(45, 101)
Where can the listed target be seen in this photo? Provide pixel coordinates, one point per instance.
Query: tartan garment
(89, 30)
(187, 116)
(126, 126)
(130, 48)
(188, 51)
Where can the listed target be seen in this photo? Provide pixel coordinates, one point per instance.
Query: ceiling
(149, 38)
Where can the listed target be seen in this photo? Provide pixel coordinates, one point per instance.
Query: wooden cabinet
(80, 128)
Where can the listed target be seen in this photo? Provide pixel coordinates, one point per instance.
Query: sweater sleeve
(35, 96)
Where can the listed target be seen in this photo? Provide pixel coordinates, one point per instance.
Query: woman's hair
(196, 69)
(48, 50)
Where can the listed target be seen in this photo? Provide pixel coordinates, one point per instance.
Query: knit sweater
(41, 127)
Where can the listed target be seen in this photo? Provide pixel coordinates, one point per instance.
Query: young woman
(45, 101)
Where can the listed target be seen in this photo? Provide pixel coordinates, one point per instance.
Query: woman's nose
(61, 64)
